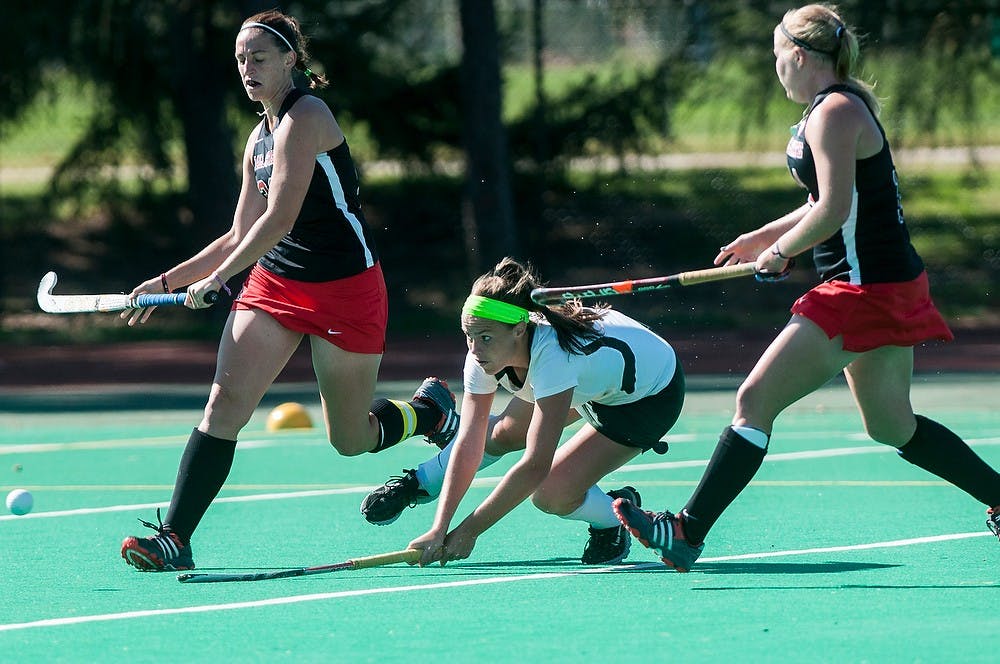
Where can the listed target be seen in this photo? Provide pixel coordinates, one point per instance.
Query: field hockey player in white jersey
(315, 272)
(560, 363)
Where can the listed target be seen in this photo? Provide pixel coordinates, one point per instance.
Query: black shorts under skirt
(641, 423)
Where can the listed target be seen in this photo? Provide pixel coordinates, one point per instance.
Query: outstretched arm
(547, 422)
(465, 459)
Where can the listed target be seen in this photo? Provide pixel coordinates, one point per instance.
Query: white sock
(754, 436)
(595, 510)
(430, 473)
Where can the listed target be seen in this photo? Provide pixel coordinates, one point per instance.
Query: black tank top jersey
(330, 239)
(873, 244)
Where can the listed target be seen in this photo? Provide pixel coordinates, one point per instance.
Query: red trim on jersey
(351, 313)
(872, 315)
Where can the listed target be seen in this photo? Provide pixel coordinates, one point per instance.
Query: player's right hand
(140, 316)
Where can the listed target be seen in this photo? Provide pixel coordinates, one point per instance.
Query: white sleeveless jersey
(627, 363)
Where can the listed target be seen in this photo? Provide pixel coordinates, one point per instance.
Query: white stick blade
(74, 304)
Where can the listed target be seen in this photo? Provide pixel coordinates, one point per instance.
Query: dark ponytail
(512, 282)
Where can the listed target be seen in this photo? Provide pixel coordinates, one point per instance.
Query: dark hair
(512, 282)
(288, 27)
(819, 28)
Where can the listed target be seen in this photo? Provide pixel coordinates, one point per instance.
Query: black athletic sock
(733, 464)
(400, 420)
(938, 450)
(203, 470)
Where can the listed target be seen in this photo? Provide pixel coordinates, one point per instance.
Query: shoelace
(397, 481)
(158, 528)
(164, 538)
(661, 529)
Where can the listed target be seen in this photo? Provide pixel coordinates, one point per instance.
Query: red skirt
(869, 316)
(350, 313)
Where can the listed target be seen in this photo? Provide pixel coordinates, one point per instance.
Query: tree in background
(420, 81)
(487, 209)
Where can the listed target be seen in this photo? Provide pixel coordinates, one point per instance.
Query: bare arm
(306, 130)
(465, 459)
(544, 432)
(249, 207)
(833, 132)
(748, 246)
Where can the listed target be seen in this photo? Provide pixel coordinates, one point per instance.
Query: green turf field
(838, 552)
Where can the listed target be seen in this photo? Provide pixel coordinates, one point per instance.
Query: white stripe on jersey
(850, 231)
(323, 159)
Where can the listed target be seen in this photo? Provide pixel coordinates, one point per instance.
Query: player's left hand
(197, 291)
(772, 267)
(458, 545)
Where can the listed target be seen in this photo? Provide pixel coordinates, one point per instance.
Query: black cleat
(610, 546)
(384, 505)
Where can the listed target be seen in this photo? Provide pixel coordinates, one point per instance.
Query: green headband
(502, 312)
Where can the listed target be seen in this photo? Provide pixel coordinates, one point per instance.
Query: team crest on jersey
(262, 188)
(795, 148)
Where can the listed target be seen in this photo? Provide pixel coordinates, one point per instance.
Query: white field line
(790, 456)
(478, 482)
(161, 441)
(296, 599)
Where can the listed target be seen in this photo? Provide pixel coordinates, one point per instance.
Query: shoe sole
(386, 522)
(615, 561)
(428, 399)
(424, 395)
(645, 543)
(144, 560)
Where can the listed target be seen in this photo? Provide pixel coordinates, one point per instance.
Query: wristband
(222, 283)
(163, 282)
(776, 251)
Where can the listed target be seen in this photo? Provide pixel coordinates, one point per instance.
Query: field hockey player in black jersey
(315, 272)
(872, 306)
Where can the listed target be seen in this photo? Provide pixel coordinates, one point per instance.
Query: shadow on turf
(829, 567)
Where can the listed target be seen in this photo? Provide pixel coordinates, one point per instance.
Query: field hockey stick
(557, 295)
(75, 304)
(407, 556)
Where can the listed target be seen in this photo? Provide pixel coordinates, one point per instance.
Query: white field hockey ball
(20, 502)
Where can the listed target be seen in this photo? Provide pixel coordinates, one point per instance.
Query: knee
(347, 443)
(889, 433)
(551, 502)
(505, 436)
(544, 503)
(346, 448)
(747, 399)
(226, 411)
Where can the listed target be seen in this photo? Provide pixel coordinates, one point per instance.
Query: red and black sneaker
(163, 552)
(993, 520)
(435, 392)
(661, 532)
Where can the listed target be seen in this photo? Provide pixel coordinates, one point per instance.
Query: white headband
(269, 29)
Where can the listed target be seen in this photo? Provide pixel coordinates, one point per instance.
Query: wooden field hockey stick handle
(716, 274)
(556, 295)
(406, 556)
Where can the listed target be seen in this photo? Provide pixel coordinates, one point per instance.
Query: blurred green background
(599, 140)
